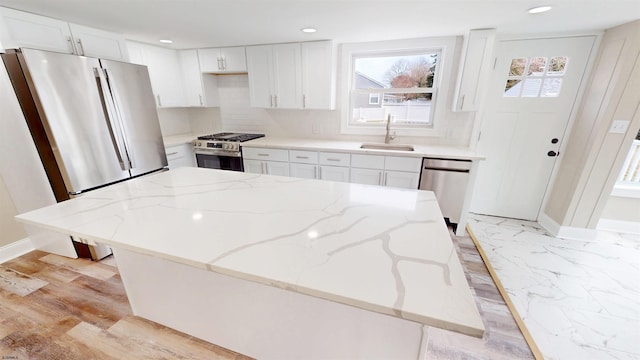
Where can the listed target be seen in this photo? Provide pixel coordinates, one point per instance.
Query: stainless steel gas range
(221, 150)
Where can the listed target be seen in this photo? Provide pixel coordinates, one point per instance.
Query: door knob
(554, 140)
(553, 153)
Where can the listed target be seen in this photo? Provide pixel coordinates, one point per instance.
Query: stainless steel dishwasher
(448, 179)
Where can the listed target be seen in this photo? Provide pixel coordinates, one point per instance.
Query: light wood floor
(57, 308)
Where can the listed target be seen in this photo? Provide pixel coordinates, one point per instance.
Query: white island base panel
(261, 321)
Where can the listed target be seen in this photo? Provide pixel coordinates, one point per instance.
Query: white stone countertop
(439, 151)
(380, 249)
(179, 139)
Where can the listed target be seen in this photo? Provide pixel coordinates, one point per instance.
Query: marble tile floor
(578, 299)
(57, 308)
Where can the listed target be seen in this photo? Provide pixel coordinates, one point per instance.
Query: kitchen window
(400, 79)
(399, 85)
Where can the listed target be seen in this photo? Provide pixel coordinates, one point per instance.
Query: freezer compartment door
(136, 114)
(69, 101)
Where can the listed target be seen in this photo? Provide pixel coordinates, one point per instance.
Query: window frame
(444, 46)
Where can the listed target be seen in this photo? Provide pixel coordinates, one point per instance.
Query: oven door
(222, 162)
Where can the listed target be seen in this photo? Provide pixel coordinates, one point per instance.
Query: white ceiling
(203, 23)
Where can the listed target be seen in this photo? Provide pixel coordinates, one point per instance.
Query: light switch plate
(619, 126)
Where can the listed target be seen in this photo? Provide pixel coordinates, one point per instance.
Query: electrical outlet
(619, 126)
(315, 127)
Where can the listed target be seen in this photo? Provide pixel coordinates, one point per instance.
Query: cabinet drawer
(304, 157)
(368, 161)
(399, 163)
(265, 154)
(335, 159)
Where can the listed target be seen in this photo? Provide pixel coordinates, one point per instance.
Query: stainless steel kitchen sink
(396, 147)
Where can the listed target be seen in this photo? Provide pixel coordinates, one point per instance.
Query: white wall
(622, 209)
(236, 114)
(22, 172)
(10, 230)
(594, 156)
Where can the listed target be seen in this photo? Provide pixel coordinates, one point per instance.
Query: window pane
(536, 66)
(405, 108)
(512, 88)
(557, 65)
(517, 67)
(551, 87)
(531, 87)
(401, 71)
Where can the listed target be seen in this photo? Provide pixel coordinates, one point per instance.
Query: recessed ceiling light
(539, 9)
(309, 30)
(166, 41)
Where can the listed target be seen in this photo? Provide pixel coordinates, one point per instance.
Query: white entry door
(530, 98)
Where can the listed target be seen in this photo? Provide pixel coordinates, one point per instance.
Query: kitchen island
(276, 267)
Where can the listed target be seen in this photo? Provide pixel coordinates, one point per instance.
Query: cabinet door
(165, 75)
(209, 60)
(98, 43)
(366, 176)
(259, 59)
(288, 76)
(191, 77)
(253, 166)
(401, 179)
(474, 69)
(334, 173)
(305, 171)
(180, 156)
(234, 59)
(23, 29)
(318, 75)
(277, 168)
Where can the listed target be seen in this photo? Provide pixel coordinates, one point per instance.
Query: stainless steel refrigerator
(93, 121)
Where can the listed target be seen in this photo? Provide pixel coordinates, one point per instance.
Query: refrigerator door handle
(119, 117)
(108, 107)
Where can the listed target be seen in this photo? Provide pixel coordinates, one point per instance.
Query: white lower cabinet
(333, 173)
(401, 179)
(180, 156)
(266, 161)
(392, 171)
(366, 176)
(305, 171)
(253, 166)
(266, 167)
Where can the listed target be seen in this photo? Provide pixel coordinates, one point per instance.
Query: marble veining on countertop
(381, 249)
(441, 151)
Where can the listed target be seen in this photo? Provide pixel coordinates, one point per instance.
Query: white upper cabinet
(223, 60)
(275, 79)
(318, 75)
(164, 72)
(21, 29)
(98, 43)
(474, 68)
(199, 89)
(259, 59)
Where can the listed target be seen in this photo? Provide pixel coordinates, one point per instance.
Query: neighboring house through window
(400, 79)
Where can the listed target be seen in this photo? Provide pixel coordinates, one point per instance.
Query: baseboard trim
(15, 249)
(512, 308)
(549, 224)
(619, 226)
(565, 232)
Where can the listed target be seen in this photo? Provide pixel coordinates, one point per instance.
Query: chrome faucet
(388, 137)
